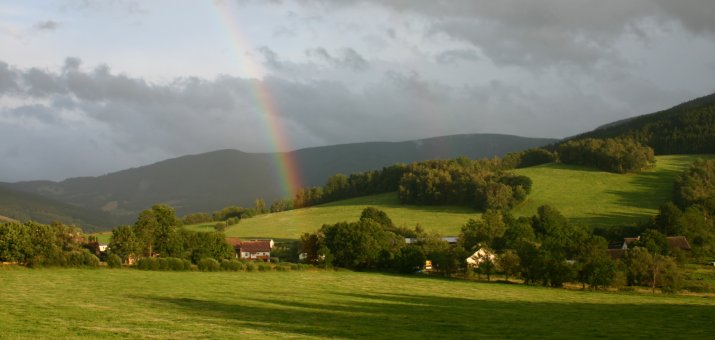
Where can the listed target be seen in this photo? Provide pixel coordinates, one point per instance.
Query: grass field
(595, 198)
(588, 197)
(70, 303)
(291, 224)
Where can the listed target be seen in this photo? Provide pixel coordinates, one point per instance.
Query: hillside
(209, 181)
(588, 197)
(688, 128)
(22, 206)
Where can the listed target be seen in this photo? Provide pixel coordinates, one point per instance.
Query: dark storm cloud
(551, 32)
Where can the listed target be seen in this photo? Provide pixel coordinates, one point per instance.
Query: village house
(480, 256)
(252, 250)
(618, 249)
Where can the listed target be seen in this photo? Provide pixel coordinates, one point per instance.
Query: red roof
(254, 246)
(678, 242)
(233, 241)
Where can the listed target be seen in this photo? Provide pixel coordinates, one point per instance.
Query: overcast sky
(91, 87)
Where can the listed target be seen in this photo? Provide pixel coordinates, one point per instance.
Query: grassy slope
(595, 198)
(586, 196)
(131, 304)
(291, 224)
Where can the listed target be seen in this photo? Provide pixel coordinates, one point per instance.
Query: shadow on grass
(647, 190)
(418, 316)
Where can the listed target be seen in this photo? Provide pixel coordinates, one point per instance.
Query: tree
(146, 228)
(310, 245)
(668, 219)
(14, 242)
(595, 267)
(654, 241)
(378, 216)
(260, 206)
(508, 263)
(410, 259)
(124, 243)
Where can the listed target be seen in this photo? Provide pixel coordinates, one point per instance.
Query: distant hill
(22, 206)
(688, 128)
(208, 181)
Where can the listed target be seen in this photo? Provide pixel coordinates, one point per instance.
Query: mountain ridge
(211, 180)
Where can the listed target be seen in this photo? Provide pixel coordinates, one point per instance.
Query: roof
(448, 239)
(616, 253)
(629, 240)
(233, 241)
(678, 242)
(255, 246)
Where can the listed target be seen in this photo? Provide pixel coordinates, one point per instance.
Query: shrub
(251, 267)
(263, 267)
(177, 264)
(209, 265)
(232, 265)
(114, 261)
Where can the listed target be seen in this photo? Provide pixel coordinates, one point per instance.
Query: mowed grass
(594, 198)
(291, 224)
(72, 303)
(588, 197)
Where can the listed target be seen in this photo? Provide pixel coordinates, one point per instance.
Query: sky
(92, 87)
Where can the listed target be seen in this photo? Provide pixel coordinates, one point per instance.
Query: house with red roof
(252, 250)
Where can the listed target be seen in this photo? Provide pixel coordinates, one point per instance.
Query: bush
(114, 261)
(251, 267)
(263, 267)
(283, 268)
(177, 264)
(209, 265)
(232, 265)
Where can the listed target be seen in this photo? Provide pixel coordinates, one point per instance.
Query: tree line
(543, 249)
(620, 155)
(41, 245)
(688, 128)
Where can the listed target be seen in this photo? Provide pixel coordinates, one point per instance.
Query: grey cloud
(452, 56)
(39, 113)
(346, 58)
(551, 32)
(120, 121)
(47, 25)
(270, 57)
(7, 78)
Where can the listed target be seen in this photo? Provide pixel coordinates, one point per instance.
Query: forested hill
(209, 181)
(688, 128)
(23, 206)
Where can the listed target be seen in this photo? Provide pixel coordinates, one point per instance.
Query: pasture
(127, 303)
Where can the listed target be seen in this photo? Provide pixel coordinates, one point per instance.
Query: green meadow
(588, 197)
(128, 303)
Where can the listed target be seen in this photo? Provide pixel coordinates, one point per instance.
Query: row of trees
(480, 184)
(614, 154)
(156, 233)
(34, 244)
(543, 249)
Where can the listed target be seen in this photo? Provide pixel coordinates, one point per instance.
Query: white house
(480, 256)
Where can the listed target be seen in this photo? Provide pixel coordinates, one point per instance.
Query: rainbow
(286, 167)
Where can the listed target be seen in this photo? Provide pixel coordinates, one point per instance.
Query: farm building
(618, 249)
(480, 256)
(252, 249)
